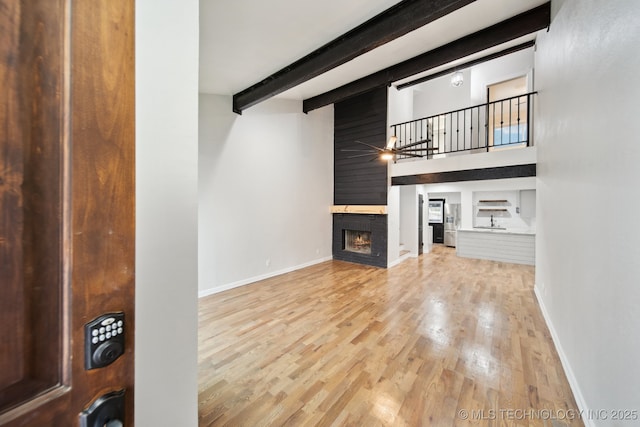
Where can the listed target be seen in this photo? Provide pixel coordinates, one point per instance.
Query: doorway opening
(508, 125)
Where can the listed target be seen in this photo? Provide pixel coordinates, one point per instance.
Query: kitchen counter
(513, 246)
(498, 230)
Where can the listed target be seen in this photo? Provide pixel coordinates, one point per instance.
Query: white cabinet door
(528, 203)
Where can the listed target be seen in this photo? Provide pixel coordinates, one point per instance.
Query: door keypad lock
(104, 340)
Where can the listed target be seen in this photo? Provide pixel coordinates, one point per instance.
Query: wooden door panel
(103, 215)
(67, 202)
(30, 175)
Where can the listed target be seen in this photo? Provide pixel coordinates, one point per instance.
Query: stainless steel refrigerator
(451, 223)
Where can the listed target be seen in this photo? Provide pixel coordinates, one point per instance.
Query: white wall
(266, 189)
(166, 213)
(508, 67)
(448, 197)
(393, 226)
(399, 109)
(512, 219)
(587, 274)
(508, 157)
(399, 106)
(438, 96)
(409, 218)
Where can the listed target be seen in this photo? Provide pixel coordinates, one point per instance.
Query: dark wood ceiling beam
(394, 22)
(468, 64)
(499, 172)
(520, 25)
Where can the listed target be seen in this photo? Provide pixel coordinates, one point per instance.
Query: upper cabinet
(528, 203)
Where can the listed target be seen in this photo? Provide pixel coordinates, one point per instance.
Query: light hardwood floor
(430, 342)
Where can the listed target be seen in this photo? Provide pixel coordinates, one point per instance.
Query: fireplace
(360, 238)
(357, 241)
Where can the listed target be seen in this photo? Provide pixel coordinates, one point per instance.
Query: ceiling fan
(389, 152)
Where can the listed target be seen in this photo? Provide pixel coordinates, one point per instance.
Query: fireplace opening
(357, 241)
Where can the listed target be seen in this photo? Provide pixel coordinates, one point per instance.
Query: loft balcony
(493, 126)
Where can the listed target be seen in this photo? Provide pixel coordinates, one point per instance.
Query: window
(508, 135)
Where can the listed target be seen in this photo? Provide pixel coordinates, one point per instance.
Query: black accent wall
(360, 180)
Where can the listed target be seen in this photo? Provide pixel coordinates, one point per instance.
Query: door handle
(107, 410)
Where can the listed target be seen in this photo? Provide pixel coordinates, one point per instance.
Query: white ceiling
(244, 41)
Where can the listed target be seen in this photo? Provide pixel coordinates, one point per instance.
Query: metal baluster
(457, 130)
(439, 128)
(479, 129)
(464, 130)
(510, 103)
(486, 125)
(501, 123)
(422, 136)
(471, 129)
(529, 127)
(451, 132)
(410, 134)
(445, 135)
(517, 125)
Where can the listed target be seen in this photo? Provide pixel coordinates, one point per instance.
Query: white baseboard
(226, 287)
(573, 382)
(401, 259)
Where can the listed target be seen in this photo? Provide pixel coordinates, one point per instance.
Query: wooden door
(67, 198)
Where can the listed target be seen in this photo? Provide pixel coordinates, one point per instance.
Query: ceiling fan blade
(369, 145)
(408, 154)
(413, 144)
(362, 155)
(391, 142)
(399, 150)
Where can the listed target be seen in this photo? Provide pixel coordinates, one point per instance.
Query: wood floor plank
(435, 341)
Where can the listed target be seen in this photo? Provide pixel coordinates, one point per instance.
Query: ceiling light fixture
(457, 79)
(387, 155)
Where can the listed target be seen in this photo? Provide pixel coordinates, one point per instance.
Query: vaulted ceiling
(243, 42)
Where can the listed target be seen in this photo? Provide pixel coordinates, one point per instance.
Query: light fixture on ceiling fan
(389, 152)
(457, 79)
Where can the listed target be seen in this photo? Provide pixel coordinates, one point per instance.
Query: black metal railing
(504, 123)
